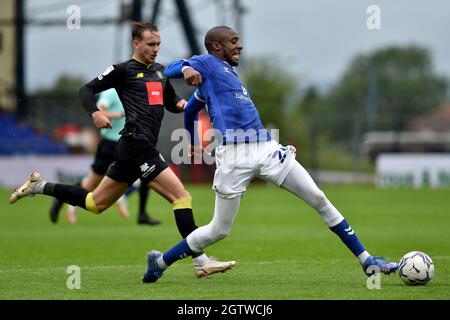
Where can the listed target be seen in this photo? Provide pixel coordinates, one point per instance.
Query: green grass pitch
(283, 249)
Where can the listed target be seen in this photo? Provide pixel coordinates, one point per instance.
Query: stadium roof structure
(437, 121)
(424, 134)
(425, 141)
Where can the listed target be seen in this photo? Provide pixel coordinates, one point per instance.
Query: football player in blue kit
(247, 151)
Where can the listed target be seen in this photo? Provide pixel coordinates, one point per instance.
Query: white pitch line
(64, 268)
(261, 262)
(58, 269)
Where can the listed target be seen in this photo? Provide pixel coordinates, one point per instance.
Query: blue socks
(348, 236)
(343, 230)
(179, 251)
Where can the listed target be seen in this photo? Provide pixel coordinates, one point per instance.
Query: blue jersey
(226, 99)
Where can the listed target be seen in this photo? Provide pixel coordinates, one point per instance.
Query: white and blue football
(416, 268)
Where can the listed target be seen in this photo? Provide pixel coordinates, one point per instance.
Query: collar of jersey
(222, 61)
(147, 65)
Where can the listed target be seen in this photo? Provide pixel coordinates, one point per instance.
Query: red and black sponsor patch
(155, 93)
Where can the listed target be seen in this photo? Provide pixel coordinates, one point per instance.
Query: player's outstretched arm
(175, 69)
(183, 69)
(193, 70)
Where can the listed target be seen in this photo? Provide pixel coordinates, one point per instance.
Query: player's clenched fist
(101, 121)
(192, 77)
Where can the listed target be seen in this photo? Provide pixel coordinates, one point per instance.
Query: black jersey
(144, 92)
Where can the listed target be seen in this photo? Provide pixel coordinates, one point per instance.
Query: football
(416, 268)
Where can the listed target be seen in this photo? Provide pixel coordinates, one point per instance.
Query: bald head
(224, 43)
(216, 34)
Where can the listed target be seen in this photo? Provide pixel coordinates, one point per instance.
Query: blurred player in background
(144, 93)
(248, 150)
(109, 103)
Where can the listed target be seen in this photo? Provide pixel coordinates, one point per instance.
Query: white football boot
(33, 185)
(214, 266)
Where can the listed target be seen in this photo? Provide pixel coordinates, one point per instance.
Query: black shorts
(104, 156)
(136, 159)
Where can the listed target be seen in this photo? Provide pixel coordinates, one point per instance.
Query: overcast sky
(313, 39)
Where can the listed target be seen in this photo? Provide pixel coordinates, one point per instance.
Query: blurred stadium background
(388, 102)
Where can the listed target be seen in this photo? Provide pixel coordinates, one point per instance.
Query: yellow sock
(182, 203)
(90, 203)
